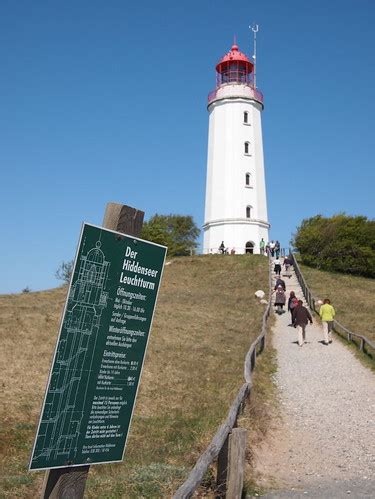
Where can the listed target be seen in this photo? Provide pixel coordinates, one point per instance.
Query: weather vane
(255, 28)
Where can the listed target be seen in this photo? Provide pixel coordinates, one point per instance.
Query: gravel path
(323, 445)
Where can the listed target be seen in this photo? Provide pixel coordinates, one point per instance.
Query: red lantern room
(234, 67)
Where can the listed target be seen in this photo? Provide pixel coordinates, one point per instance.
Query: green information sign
(100, 351)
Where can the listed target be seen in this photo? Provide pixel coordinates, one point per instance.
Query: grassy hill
(352, 297)
(206, 318)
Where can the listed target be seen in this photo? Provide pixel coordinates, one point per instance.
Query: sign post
(99, 357)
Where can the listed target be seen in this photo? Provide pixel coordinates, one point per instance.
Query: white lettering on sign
(129, 252)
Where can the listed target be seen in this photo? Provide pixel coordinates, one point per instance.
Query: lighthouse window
(247, 147)
(248, 180)
(246, 117)
(248, 211)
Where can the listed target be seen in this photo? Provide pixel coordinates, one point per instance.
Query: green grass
(206, 319)
(352, 297)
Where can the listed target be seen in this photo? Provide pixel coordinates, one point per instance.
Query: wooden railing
(363, 343)
(217, 449)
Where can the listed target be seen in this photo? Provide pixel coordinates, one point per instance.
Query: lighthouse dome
(234, 55)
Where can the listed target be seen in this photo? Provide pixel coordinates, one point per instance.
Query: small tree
(178, 232)
(64, 272)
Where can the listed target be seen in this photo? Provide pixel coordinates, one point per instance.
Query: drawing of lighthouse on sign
(60, 425)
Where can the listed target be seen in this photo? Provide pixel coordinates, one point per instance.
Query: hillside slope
(352, 297)
(206, 318)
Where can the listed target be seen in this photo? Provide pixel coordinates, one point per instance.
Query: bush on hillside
(178, 232)
(341, 243)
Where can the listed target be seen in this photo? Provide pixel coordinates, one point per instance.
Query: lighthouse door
(249, 248)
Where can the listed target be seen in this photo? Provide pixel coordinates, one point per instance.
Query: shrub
(178, 232)
(341, 243)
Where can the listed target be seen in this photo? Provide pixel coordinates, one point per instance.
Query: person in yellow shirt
(327, 314)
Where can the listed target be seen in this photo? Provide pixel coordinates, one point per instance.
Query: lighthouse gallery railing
(255, 93)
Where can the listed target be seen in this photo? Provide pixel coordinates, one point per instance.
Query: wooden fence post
(236, 463)
(69, 483)
(231, 465)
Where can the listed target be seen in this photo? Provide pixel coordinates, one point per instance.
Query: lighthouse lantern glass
(233, 72)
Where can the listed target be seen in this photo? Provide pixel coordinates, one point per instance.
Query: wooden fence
(220, 448)
(363, 343)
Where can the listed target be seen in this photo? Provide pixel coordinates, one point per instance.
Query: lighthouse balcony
(236, 221)
(235, 90)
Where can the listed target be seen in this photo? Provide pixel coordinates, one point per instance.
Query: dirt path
(323, 444)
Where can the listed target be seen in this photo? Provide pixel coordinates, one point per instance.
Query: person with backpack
(280, 282)
(292, 303)
(287, 264)
(301, 316)
(327, 314)
(280, 300)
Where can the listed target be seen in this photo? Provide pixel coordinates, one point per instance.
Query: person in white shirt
(277, 267)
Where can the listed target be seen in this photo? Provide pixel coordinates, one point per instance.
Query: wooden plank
(123, 218)
(253, 359)
(236, 463)
(248, 363)
(69, 483)
(65, 483)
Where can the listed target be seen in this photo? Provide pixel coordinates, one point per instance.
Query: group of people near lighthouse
(300, 315)
(272, 248)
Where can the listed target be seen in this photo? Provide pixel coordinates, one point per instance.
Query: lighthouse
(236, 204)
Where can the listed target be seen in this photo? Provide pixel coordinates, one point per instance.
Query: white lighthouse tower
(236, 204)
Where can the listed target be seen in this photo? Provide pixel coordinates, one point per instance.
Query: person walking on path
(222, 248)
(277, 249)
(272, 248)
(280, 300)
(277, 267)
(287, 264)
(262, 245)
(292, 304)
(280, 282)
(327, 314)
(301, 316)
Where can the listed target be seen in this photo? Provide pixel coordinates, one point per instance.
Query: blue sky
(106, 101)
